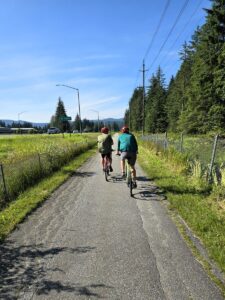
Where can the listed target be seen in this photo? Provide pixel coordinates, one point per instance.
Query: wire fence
(206, 152)
(17, 177)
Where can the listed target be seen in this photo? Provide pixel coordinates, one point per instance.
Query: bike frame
(106, 167)
(129, 178)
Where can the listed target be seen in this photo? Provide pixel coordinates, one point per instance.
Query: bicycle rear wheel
(106, 169)
(106, 174)
(131, 187)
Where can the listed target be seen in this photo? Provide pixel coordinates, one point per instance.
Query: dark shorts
(130, 156)
(106, 154)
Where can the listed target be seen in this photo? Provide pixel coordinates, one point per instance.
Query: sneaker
(110, 169)
(134, 184)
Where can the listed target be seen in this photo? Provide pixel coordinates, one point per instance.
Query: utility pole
(143, 99)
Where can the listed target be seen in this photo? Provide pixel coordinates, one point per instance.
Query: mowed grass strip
(191, 199)
(33, 197)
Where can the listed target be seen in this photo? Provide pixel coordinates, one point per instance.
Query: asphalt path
(91, 240)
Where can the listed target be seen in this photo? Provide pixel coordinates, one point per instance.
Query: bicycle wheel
(106, 168)
(131, 187)
(128, 175)
(106, 174)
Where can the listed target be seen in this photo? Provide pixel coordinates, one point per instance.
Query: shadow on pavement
(46, 286)
(83, 174)
(24, 268)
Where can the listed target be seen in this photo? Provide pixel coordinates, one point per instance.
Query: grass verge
(33, 197)
(189, 198)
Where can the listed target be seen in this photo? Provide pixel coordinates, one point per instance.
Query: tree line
(194, 100)
(86, 125)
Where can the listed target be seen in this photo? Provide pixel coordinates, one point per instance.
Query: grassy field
(26, 159)
(198, 151)
(30, 199)
(201, 206)
(17, 147)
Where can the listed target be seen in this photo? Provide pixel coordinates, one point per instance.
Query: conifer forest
(194, 100)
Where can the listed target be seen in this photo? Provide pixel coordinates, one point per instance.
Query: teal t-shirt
(127, 143)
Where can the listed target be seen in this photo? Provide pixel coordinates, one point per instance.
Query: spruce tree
(156, 116)
(61, 112)
(205, 97)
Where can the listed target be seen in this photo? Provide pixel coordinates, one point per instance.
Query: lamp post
(78, 96)
(98, 116)
(19, 117)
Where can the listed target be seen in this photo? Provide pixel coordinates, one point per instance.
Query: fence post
(165, 141)
(212, 159)
(6, 196)
(39, 160)
(181, 142)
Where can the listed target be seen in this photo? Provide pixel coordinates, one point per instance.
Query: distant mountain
(9, 123)
(119, 121)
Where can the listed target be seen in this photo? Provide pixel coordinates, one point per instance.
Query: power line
(170, 32)
(157, 28)
(153, 38)
(184, 27)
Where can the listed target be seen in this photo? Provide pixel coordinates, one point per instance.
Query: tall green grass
(27, 167)
(194, 200)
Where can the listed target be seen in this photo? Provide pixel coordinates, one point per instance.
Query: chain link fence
(16, 177)
(206, 155)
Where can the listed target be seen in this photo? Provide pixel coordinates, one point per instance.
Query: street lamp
(71, 87)
(19, 116)
(98, 116)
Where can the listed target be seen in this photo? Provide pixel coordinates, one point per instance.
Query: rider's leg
(110, 161)
(122, 162)
(103, 161)
(122, 165)
(132, 161)
(133, 172)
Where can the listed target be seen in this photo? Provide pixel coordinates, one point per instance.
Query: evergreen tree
(127, 117)
(136, 111)
(205, 107)
(156, 116)
(61, 112)
(76, 124)
(2, 123)
(177, 90)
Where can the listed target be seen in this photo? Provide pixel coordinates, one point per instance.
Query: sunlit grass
(28, 158)
(16, 147)
(194, 200)
(32, 197)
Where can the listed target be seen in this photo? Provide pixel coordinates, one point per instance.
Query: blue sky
(95, 45)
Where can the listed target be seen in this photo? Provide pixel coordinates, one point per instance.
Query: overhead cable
(182, 31)
(170, 32)
(157, 28)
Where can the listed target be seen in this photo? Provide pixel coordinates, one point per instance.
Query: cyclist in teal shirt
(127, 146)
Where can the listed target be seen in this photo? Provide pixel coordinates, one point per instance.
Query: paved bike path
(90, 240)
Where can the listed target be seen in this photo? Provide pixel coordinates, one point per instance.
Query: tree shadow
(46, 286)
(23, 267)
(83, 174)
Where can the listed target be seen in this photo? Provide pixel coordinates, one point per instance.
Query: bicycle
(128, 176)
(106, 167)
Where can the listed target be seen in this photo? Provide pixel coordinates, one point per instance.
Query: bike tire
(106, 174)
(131, 188)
